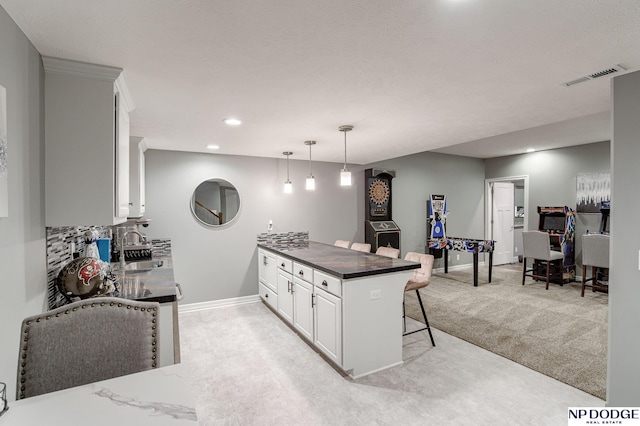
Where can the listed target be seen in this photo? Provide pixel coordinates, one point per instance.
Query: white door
(503, 214)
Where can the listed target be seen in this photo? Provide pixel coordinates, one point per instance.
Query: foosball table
(463, 244)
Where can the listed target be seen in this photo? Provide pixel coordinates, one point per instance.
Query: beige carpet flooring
(249, 368)
(555, 332)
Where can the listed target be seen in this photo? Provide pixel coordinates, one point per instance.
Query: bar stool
(388, 252)
(595, 253)
(361, 247)
(421, 278)
(537, 245)
(342, 243)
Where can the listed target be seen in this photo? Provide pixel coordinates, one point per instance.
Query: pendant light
(288, 187)
(311, 181)
(345, 175)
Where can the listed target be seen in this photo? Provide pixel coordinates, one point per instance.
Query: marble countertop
(147, 285)
(340, 262)
(159, 397)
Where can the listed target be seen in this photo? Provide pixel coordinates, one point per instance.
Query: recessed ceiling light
(232, 121)
(530, 149)
(212, 146)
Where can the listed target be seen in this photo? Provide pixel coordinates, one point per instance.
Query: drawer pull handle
(301, 272)
(324, 283)
(266, 295)
(282, 264)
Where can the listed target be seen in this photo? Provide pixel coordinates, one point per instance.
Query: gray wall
(22, 234)
(552, 180)
(214, 264)
(461, 179)
(623, 373)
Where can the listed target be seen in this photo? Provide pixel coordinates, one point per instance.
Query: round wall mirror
(215, 202)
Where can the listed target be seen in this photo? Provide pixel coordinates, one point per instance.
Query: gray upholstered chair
(361, 247)
(595, 253)
(342, 243)
(421, 278)
(388, 252)
(537, 245)
(85, 342)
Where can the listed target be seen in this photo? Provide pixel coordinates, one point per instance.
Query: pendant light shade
(345, 175)
(288, 186)
(311, 181)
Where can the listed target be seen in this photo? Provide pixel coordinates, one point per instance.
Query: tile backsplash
(61, 242)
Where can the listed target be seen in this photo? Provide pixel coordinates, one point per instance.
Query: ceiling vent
(611, 70)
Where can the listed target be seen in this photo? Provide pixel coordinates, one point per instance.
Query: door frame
(488, 197)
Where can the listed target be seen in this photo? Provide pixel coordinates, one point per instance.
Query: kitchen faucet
(142, 237)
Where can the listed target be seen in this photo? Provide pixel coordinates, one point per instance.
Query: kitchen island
(345, 303)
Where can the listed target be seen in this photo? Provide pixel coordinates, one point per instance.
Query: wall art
(591, 190)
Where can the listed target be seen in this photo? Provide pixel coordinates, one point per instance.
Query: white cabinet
(268, 278)
(328, 324)
(86, 144)
(285, 295)
(137, 147)
(303, 308)
(268, 269)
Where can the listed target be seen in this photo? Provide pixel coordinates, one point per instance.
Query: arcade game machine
(560, 223)
(380, 229)
(436, 220)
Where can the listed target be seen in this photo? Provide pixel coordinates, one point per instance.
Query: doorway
(507, 203)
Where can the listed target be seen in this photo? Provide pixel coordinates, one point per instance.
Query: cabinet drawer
(303, 272)
(285, 264)
(328, 283)
(268, 295)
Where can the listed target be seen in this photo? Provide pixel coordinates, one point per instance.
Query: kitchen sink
(143, 265)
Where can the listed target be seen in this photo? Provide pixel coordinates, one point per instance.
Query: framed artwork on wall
(4, 185)
(591, 190)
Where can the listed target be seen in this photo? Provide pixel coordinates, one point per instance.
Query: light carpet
(555, 332)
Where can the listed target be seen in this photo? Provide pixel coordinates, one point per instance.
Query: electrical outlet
(516, 249)
(449, 257)
(457, 257)
(375, 294)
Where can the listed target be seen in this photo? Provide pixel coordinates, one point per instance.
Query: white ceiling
(459, 76)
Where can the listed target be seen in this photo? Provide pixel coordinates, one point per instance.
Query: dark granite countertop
(148, 285)
(340, 262)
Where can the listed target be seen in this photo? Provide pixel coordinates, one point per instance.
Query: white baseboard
(457, 267)
(203, 306)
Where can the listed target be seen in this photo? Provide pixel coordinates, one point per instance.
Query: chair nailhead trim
(23, 354)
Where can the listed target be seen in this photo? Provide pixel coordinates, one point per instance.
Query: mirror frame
(192, 204)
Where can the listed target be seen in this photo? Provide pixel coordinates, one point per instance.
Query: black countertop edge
(401, 265)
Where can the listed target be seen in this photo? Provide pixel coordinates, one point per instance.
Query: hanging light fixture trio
(345, 175)
(311, 181)
(288, 186)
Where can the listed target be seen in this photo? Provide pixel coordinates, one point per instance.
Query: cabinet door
(285, 295)
(122, 160)
(302, 309)
(328, 325)
(136, 177)
(268, 269)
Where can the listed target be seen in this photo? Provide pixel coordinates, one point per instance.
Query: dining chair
(537, 246)
(342, 243)
(388, 252)
(361, 247)
(595, 253)
(421, 278)
(86, 342)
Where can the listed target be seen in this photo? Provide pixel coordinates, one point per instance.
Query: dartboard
(379, 191)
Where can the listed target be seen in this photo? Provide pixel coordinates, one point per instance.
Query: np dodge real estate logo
(627, 416)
